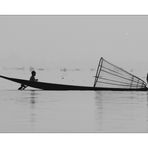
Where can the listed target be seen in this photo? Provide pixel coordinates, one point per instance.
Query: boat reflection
(33, 96)
(33, 112)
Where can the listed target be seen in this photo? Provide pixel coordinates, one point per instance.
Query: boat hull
(62, 87)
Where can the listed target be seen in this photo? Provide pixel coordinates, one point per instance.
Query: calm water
(70, 111)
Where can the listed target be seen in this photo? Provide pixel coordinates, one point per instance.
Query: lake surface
(33, 110)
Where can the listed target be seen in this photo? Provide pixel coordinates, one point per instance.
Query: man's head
(33, 73)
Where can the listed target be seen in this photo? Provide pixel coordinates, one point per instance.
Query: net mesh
(111, 76)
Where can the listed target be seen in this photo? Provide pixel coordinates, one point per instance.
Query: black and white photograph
(73, 74)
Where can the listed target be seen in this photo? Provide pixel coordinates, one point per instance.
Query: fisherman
(32, 78)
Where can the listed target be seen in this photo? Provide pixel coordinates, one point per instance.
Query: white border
(92, 7)
(68, 7)
(73, 140)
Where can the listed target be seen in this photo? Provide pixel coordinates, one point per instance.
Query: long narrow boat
(53, 86)
(108, 78)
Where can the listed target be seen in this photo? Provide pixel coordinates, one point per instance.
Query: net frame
(127, 80)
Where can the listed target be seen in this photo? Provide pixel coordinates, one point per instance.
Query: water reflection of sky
(73, 111)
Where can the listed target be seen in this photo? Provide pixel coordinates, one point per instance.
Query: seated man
(32, 78)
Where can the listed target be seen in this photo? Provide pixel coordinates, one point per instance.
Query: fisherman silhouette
(32, 78)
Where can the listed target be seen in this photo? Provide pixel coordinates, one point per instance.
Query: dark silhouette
(147, 78)
(32, 78)
(22, 87)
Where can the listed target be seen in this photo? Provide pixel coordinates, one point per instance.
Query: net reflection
(99, 110)
(121, 111)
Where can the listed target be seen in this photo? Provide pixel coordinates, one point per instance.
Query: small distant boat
(108, 78)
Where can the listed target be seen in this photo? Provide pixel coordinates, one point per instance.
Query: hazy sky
(76, 40)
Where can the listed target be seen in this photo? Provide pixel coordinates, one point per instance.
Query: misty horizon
(74, 41)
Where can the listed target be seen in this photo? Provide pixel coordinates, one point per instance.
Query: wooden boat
(108, 78)
(52, 86)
